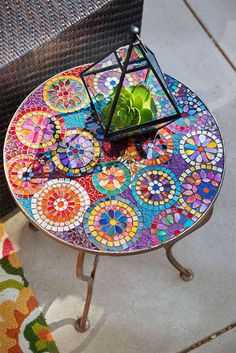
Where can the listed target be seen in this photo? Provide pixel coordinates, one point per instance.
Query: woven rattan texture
(27, 24)
(83, 41)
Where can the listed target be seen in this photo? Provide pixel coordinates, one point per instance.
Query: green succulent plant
(135, 106)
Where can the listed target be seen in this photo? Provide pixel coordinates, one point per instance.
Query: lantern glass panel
(142, 101)
(100, 81)
(128, 91)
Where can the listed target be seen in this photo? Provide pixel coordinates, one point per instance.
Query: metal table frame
(186, 274)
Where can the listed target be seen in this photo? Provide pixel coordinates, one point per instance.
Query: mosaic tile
(201, 147)
(38, 128)
(152, 149)
(65, 94)
(113, 223)
(124, 196)
(170, 223)
(77, 153)
(25, 175)
(199, 187)
(156, 188)
(111, 178)
(60, 205)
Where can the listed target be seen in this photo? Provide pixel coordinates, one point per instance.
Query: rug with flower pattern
(22, 325)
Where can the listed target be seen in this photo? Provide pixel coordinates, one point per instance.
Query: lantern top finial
(134, 30)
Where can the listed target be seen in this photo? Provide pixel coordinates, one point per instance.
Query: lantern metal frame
(151, 60)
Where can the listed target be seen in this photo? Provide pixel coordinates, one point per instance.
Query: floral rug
(22, 325)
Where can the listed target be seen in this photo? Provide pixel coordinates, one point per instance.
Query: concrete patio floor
(140, 304)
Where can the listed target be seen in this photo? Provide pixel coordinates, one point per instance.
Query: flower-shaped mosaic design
(156, 187)
(65, 94)
(201, 147)
(190, 105)
(77, 153)
(105, 82)
(200, 185)
(191, 108)
(111, 178)
(37, 128)
(148, 150)
(113, 223)
(60, 205)
(171, 223)
(26, 175)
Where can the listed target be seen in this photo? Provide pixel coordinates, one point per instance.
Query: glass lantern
(128, 91)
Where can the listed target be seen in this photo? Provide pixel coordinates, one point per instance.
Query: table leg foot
(188, 277)
(82, 328)
(32, 227)
(185, 273)
(83, 324)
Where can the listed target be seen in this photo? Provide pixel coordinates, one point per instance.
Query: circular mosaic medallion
(26, 175)
(190, 105)
(111, 178)
(199, 185)
(191, 108)
(156, 187)
(150, 151)
(37, 128)
(78, 153)
(201, 147)
(105, 82)
(65, 94)
(60, 205)
(113, 223)
(171, 223)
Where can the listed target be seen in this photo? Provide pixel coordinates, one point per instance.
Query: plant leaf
(142, 92)
(145, 115)
(138, 102)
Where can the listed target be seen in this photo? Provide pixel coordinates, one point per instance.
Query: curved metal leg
(82, 324)
(185, 273)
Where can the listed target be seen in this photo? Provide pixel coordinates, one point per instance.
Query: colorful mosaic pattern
(170, 223)
(105, 82)
(60, 205)
(77, 153)
(201, 147)
(150, 150)
(97, 195)
(27, 176)
(111, 178)
(113, 223)
(199, 186)
(156, 188)
(37, 128)
(22, 326)
(65, 94)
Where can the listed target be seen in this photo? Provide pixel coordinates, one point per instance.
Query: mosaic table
(111, 198)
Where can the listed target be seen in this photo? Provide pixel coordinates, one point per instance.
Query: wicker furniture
(112, 198)
(40, 38)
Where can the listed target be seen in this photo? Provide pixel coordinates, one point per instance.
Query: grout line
(221, 50)
(209, 338)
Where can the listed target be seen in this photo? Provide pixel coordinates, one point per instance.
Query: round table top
(104, 197)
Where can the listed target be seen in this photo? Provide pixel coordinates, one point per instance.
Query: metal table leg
(82, 324)
(185, 273)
